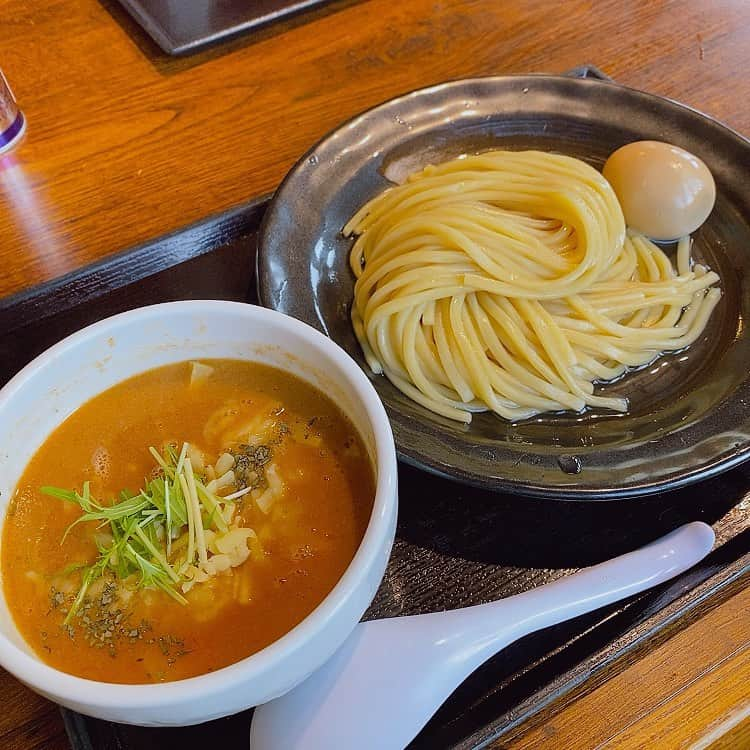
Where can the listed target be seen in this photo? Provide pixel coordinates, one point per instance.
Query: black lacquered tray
(455, 545)
(187, 26)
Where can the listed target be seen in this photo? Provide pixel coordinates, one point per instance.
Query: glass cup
(12, 121)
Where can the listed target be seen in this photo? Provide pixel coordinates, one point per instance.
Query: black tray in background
(182, 27)
(455, 545)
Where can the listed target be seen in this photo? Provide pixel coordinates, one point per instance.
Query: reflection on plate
(689, 411)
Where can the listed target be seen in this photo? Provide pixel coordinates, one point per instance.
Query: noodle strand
(507, 282)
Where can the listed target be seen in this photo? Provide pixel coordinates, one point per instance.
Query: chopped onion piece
(228, 512)
(199, 372)
(233, 544)
(217, 564)
(224, 464)
(196, 457)
(274, 480)
(265, 500)
(225, 480)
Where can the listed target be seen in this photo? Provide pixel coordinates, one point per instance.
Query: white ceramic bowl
(57, 382)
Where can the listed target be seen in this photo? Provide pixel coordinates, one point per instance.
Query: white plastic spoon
(390, 676)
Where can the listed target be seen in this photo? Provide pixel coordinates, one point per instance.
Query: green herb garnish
(146, 525)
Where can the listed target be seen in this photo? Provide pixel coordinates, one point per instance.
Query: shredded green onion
(144, 525)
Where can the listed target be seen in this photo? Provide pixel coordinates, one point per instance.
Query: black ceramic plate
(689, 412)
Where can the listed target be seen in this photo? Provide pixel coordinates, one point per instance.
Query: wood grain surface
(125, 144)
(28, 721)
(693, 692)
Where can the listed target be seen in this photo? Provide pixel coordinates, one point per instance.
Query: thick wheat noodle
(507, 281)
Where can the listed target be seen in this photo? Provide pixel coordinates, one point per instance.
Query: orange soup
(183, 520)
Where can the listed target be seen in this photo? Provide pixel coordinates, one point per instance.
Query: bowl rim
(46, 678)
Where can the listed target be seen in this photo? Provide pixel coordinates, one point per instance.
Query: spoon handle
(581, 592)
(390, 676)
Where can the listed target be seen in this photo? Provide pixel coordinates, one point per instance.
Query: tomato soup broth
(303, 489)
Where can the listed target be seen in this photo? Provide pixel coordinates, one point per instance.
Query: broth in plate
(183, 520)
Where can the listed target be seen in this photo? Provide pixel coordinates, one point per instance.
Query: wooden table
(125, 144)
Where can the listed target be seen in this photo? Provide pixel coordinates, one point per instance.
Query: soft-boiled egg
(665, 192)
